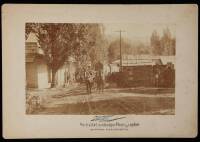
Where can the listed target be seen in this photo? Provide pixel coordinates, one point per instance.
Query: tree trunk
(53, 82)
(109, 68)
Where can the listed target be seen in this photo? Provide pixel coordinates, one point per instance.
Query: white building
(36, 66)
(38, 74)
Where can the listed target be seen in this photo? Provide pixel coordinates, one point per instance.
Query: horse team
(94, 79)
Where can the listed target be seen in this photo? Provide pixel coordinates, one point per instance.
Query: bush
(33, 102)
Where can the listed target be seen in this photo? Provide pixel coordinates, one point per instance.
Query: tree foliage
(155, 43)
(128, 48)
(61, 40)
(164, 45)
(114, 49)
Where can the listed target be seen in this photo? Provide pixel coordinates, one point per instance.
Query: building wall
(31, 75)
(42, 74)
(38, 75)
(114, 68)
(69, 70)
(106, 70)
(60, 76)
(72, 70)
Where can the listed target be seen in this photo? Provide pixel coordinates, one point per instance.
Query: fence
(144, 76)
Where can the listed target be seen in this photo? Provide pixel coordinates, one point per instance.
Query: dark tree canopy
(114, 49)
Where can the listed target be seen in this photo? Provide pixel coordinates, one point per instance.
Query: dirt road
(112, 101)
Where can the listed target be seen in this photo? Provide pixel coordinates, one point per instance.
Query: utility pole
(120, 31)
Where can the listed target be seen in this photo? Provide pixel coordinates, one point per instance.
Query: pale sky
(135, 32)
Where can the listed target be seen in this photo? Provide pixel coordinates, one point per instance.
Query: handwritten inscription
(106, 118)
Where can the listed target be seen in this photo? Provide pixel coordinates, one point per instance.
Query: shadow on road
(148, 90)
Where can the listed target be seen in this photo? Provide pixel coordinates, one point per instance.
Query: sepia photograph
(100, 71)
(100, 68)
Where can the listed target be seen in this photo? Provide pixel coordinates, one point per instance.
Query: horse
(89, 81)
(99, 81)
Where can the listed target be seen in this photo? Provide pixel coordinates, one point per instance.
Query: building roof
(166, 59)
(132, 60)
(30, 58)
(32, 45)
(138, 62)
(32, 38)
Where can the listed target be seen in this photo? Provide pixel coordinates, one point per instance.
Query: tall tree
(155, 43)
(173, 46)
(168, 43)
